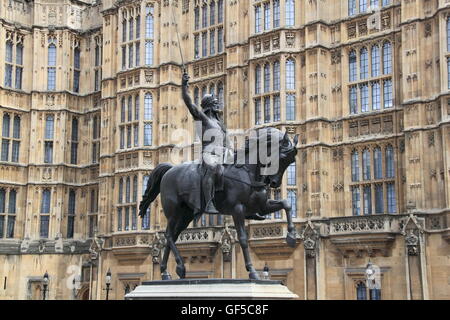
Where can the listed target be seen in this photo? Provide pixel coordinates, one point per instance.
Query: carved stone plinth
(211, 289)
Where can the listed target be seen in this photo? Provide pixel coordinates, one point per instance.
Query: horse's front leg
(239, 223)
(276, 205)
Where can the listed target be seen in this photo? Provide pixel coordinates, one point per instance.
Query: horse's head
(287, 153)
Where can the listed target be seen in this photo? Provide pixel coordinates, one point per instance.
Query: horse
(244, 193)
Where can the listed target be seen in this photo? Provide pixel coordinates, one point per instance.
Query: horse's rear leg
(181, 225)
(239, 223)
(174, 228)
(164, 274)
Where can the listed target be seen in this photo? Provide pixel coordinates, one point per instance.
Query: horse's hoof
(254, 276)
(181, 272)
(291, 240)
(166, 276)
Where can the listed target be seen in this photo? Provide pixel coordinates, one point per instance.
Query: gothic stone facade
(90, 103)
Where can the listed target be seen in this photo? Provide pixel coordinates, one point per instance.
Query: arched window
(135, 191)
(292, 199)
(290, 13)
(276, 76)
(48, 144)
(130, 109)
(131, 28)
(204, 90)
(44, 216)
(71, 214)
(77, 67)
(352, 66)
(387, 58)
(6, 125)
(266, 77)
(149, 53)
(149, 22)
(16, 143)
(390, 170)
(49, 125)
(119, 219)
(51, 67)
(212, 89)
(290, 74)
(388, 93)
(379, 200)
(96, 128)
(2, 202)
(291, 175)
(124, 30)
(377, 159)
(12, 201)
(266, 15)
(257, 19)
(376, 95)
(276, 13)
(362, 6)
(19, 65)
(74, 129)
(391, 198)
(148, 106)
(8, 64)
(361, 291)
(138, 26)
(290, 107)
(364, 64)
(367, 199)
(212, 13)
(74, 142)
(11, 216)
(120, 190)
(148, 134)
(257, 79)
(448, 34)
(276, 108)
(355, 166)
(197, 18)
(257, 111)
(351, 7)
(136, 107)
(366, 164)
(220, 11)
(356, 201)
(2, 210)
(45, 204)
(9, 51)
(364, 94)
(375, 61)
(122, 110)
(128, 190)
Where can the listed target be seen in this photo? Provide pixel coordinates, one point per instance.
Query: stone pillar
(310, 238)
(158, 245)
(415, 259)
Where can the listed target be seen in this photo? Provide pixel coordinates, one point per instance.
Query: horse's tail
(153, 187)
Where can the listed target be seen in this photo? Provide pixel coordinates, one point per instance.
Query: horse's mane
(268, 132)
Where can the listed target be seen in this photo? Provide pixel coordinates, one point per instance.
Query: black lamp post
(108, 283)
(45, 285)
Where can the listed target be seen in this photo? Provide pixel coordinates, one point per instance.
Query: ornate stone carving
(158, 244)
(290, 39)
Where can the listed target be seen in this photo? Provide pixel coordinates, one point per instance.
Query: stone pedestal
(212, 289)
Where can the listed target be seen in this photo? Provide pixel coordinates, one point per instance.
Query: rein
(261, 185)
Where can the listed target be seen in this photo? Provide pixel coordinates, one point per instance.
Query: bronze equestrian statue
(244, 187)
